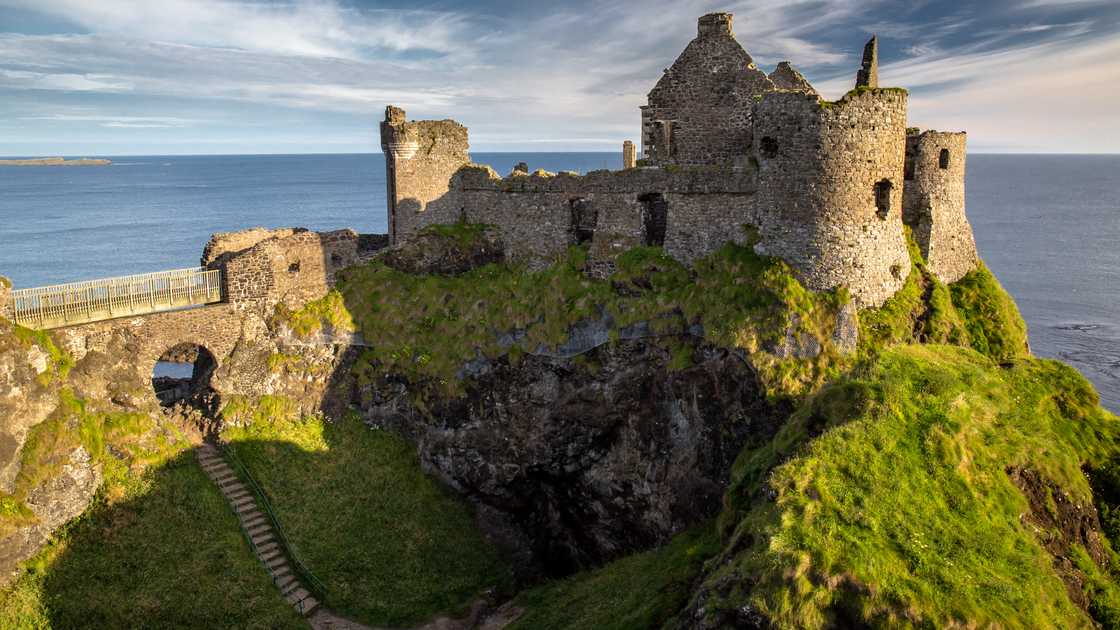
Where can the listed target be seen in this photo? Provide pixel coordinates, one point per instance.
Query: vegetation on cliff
(390, 544)
(893, 501)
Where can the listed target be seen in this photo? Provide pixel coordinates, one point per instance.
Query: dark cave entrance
(181, 379)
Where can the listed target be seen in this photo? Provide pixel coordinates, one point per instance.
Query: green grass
(390, 544)
(159, 549)
(429, 326)
(891, 505)
(643, 590)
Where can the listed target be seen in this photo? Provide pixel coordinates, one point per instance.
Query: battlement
(827, 185)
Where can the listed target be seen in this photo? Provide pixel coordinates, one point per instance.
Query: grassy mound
(891, 503)
(159, 549)
(391, 546)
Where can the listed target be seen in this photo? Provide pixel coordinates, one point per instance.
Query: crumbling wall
(537, 214)
(786, 77)
(223, 243)
(934, 204)
(5, 296)
(821, 168)
(700, 110)
(420, 158)
(291, 266)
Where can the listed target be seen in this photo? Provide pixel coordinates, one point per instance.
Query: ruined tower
(830, 189)
(420, 158)
(933, 203)
(868, 75)
(699, 112)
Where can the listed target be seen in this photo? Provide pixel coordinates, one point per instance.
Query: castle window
(883, 198)
(655, 219)
(294, 267)
(584, 219)
(768, 146)
(943, 159)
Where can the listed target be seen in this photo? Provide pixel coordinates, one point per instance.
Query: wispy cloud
(532, 73)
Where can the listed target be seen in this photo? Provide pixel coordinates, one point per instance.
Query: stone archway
(181, 380)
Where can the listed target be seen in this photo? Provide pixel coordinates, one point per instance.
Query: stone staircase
(258, 528)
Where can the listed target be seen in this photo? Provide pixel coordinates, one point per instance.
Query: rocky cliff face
(586, 458)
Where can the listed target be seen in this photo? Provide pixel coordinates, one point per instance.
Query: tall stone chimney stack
(868, 75)
(715, 24)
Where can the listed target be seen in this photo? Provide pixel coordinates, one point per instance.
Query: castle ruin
(827, 186)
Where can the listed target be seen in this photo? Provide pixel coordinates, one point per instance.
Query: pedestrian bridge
(109, 298)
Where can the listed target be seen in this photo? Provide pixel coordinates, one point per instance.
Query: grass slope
(390, 544)
(159, 549)
(640, 591)
(890, 501)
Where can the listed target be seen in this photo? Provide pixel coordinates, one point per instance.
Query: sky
(143, 77)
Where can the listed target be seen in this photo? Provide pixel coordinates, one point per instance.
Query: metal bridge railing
(96, 300)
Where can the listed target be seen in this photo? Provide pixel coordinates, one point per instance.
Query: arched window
(943, 159)
(883, 198)
(182, 376)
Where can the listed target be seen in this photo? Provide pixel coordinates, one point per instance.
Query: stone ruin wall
(420, 158)
(934, 203)
(819, 167)
(290, 266)
(5, 296)
(700, 110)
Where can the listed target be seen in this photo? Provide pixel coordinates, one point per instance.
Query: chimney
(868, 75)
(714, 24)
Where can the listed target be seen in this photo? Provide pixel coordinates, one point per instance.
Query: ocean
(1047, 225)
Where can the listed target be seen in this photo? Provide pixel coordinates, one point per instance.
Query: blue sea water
(1048, 226)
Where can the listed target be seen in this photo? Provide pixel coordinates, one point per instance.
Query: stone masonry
(933, 203)
(725, 147)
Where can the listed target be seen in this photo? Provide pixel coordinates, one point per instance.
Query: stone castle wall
(5, 296)
(289, 266)
(727, 146)
(934, 203)
(700, 110)
(420, 158)
(540, 215)
(820, 167)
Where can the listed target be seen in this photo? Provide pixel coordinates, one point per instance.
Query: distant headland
(57, 161)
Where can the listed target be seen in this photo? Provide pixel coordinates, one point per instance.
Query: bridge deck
(95, 300)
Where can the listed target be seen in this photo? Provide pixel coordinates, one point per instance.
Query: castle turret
(420, 158)
(830, 189)
(699, 112)
(933, 203)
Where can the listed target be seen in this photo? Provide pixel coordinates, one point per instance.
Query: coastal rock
(586, 463)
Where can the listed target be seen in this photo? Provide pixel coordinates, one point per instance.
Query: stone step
(270, 555)
(245, 508)
(308, 606)
(222, 474)
(236, 494)
(245, 499)
(268, 547)
(276, 562)
(261, 539)
(259, 529)
(281, 572)
(287, 584)
(253, 520)
(296, 596)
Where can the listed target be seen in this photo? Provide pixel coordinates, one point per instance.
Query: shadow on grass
(392, 546)
(163, 551)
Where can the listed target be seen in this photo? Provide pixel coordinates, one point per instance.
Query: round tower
(830, 189)
(933, 202)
